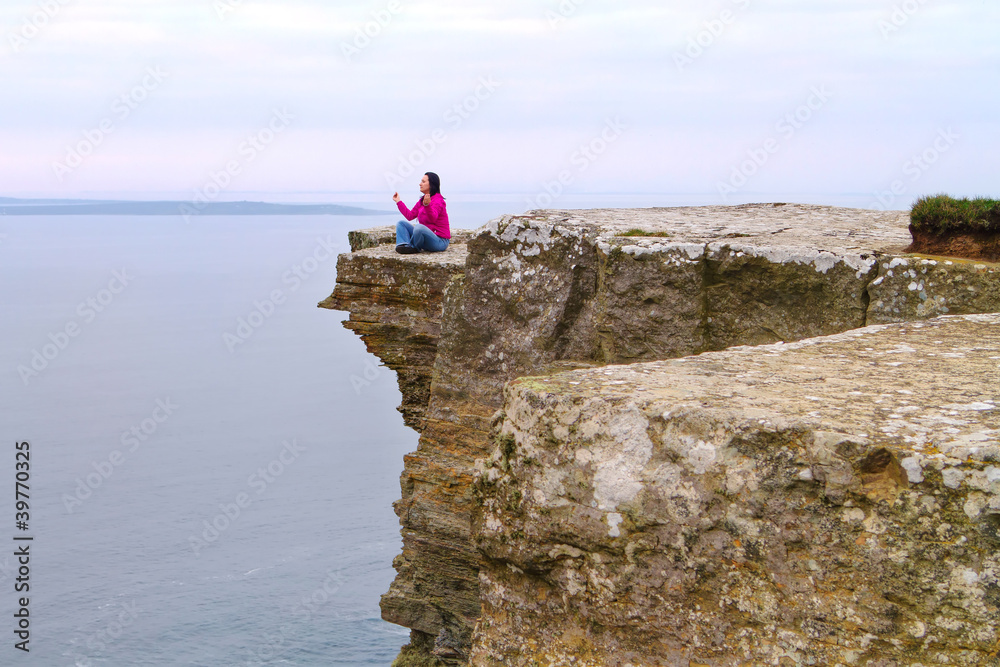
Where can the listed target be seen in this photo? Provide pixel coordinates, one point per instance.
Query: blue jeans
(419, 236)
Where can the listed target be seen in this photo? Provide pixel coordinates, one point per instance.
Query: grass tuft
(941, 214)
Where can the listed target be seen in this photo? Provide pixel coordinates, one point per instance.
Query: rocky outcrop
(833, 501)
(919, 287)
(395, 306)
(549, 291)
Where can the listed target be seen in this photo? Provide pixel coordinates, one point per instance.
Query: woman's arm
(407, 213)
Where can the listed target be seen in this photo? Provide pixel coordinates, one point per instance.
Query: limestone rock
(395, 306)
(386, 234)
(652, 300)
(548, 291)
(765, 294)
(833, 501)
(919, 287)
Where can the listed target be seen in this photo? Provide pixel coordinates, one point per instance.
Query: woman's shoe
(406, 249)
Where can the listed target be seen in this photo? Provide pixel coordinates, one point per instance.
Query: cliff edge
(537, 554)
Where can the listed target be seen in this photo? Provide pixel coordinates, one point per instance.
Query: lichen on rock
(919, 287)
(752, 505)
(564, 508)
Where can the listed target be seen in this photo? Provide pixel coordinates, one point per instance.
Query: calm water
(201, 492)
(116, 578)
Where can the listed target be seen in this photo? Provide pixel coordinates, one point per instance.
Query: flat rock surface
(830, 501)
(799, 225)
(932, 387)
(454, 256)
(818, 227)
(386, 234)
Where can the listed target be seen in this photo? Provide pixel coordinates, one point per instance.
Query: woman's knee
(433, 243)
(403, 232)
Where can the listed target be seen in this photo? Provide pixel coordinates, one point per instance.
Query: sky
(733, 99)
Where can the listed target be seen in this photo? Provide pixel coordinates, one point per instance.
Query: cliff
(832, 501)
(651, 523)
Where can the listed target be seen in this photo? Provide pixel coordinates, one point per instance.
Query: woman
(433, 233)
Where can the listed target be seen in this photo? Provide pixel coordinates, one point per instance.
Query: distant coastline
(11, 206)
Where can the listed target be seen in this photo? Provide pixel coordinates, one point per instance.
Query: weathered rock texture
(556, 290)
(833, 501)
(395, 307)
(918, 287)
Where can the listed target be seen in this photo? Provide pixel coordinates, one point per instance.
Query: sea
(198, 464)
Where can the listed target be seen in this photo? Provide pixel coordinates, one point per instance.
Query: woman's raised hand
(427, 200)
(395, 197)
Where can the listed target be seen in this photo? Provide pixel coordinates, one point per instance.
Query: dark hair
(435, 182)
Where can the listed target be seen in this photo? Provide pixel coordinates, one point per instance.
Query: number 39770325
(22, 475)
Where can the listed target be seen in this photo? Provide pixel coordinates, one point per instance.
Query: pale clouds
(893, 89)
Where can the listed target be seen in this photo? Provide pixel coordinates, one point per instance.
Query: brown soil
(968, 245)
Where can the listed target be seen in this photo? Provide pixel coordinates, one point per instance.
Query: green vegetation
(942, 214)
(507, 444)
(642, 232)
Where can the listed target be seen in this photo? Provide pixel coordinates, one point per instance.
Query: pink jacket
(434, 216)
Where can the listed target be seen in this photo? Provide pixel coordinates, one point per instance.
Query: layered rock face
(395, 307)
(555, 290)
(833, 501)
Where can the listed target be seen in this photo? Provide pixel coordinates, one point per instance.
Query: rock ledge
(551, 291)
